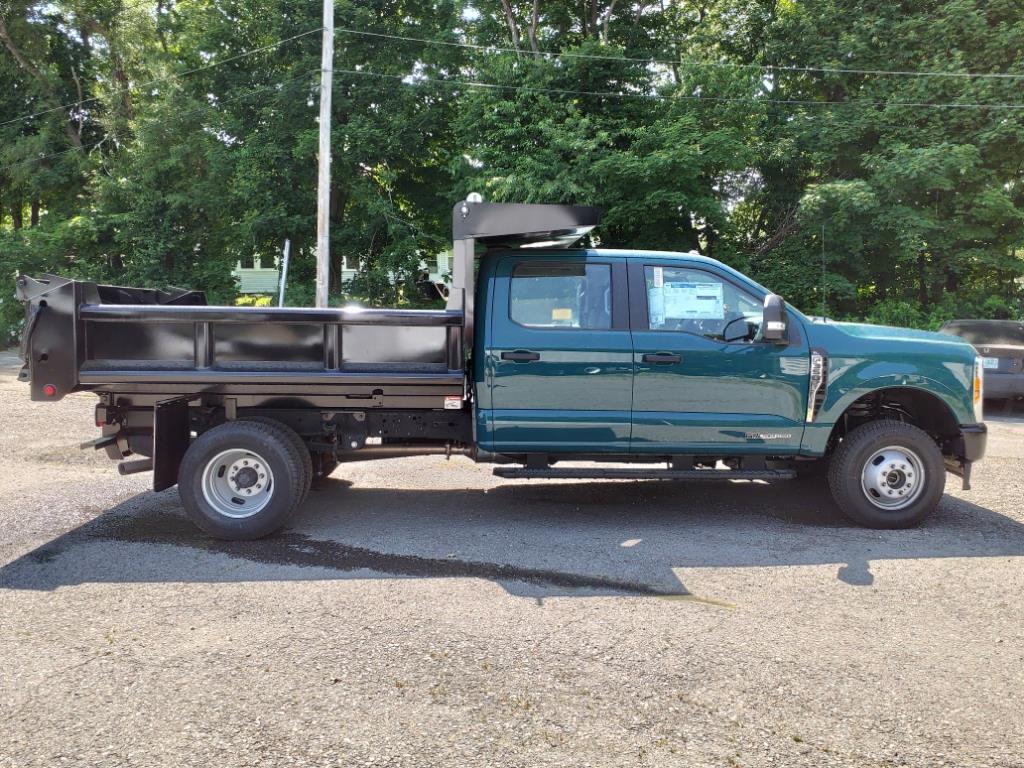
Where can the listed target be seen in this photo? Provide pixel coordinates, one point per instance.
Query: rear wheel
(241, 480)
(887, 474)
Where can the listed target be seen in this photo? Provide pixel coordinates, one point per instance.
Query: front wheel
(887, 474)
(241, 480)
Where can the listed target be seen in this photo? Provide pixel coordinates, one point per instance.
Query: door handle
(521, 356)
(662, 358)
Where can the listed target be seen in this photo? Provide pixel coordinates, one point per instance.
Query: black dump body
(83, 336)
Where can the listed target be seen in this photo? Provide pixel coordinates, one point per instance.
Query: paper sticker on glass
(685, 300)
(695, 301)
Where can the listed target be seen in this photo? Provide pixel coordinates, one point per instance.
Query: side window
(698, 302)
(564, 295)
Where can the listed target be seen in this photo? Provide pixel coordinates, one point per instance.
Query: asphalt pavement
(422, 612)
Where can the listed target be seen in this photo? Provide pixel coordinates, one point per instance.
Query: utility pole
(284, 272)
(323, 190)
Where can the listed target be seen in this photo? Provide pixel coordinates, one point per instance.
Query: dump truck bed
(83, 336)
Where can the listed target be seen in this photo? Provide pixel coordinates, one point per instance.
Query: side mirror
(773, 323)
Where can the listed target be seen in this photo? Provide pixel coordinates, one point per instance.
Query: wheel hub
(246, 477)
(892, 478)
(237, 483)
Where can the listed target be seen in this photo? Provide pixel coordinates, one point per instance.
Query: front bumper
(967, 448)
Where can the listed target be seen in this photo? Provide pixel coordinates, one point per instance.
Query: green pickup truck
(630, 365)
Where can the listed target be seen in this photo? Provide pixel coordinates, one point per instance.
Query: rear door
(559, 357)
(704, 381)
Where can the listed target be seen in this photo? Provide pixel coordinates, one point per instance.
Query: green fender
(839, 399)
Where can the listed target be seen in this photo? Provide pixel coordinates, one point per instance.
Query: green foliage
(837, 189)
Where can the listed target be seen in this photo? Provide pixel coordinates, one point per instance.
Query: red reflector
(49, 390)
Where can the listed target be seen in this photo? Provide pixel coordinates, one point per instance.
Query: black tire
(263, 444)
(869, 443)
(300, 446)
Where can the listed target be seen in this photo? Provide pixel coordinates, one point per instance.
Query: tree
(160, 142)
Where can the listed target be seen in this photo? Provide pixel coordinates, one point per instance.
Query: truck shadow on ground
(536, 540)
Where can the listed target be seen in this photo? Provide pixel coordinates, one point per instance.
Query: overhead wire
(569, 54)
(667, 62)
(415, 79)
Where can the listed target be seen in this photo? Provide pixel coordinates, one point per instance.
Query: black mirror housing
(774, 320)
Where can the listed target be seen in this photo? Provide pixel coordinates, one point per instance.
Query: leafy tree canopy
(158, 142)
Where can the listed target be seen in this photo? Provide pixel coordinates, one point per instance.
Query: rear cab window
(574, 295)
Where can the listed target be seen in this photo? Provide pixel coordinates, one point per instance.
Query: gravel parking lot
(422, 612)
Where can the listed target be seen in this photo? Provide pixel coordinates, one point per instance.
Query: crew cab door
(558, 358)
(704, 380)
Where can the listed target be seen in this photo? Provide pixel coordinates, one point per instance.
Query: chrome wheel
(892, 478)
(237, 483)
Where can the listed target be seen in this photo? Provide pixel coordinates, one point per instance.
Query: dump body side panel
(77, 340)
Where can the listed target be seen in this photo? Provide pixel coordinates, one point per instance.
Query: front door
(704, 379)
(559, 358)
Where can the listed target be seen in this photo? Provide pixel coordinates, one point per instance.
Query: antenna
(824, 287)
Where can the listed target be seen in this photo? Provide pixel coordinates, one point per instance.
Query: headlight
(979, 390)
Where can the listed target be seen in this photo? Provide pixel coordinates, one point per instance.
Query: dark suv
(1001, 346)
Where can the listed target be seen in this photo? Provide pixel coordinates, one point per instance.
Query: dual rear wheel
(243, 479)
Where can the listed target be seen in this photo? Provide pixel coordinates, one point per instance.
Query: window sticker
(561, 314)
(656, 306)
(693, 301)
(659, 277)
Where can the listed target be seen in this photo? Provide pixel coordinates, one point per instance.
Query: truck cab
(643, 365)
(611, 352)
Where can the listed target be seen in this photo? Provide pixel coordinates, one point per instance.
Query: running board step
(597, 473)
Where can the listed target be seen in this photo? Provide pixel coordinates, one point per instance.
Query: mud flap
(961, 468)
(171, 437)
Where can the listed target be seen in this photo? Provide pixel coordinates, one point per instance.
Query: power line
(661, 97)
(175, 76)
(723, 64)
(188, 113)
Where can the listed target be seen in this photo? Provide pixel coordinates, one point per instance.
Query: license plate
(990, 362)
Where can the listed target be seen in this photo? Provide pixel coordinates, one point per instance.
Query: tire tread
(305, 459)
